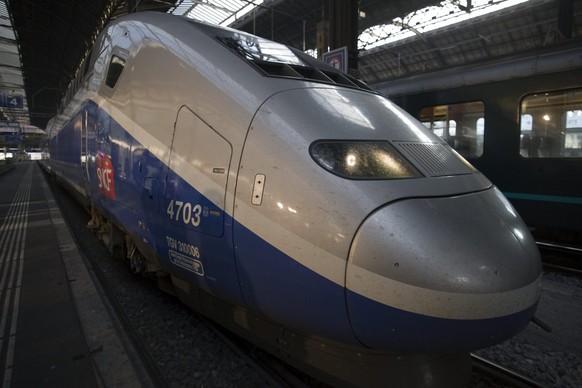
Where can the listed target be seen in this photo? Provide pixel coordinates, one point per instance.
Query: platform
(56, 328)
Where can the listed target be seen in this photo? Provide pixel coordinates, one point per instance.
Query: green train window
(462, 126)
(551, 124)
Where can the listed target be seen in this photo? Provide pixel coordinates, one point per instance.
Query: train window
(251, 47)
(462, 126)
(116, 66)
(551, 124)
(573, 135)
(362, 160)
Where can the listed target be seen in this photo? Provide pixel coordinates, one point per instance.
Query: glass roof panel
(426, 19)
(11, 79)
(6, 32)
(221, 12)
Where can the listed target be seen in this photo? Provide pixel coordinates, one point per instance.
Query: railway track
(561, 257)
(498, 375)
(273, 370)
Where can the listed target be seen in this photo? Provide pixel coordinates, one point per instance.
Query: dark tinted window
(251, 47)
(114, 71)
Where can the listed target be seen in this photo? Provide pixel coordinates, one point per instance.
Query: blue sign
(11, 101)
(11, 138)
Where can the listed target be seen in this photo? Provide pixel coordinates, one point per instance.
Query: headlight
(362, 159)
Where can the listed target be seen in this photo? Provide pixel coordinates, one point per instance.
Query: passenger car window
(462, 126)
(551, 124)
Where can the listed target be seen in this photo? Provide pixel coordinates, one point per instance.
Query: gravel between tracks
(553, 359)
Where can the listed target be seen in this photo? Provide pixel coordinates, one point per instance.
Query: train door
(194, 240)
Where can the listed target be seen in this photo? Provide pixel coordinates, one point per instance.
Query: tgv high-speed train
(292, 203)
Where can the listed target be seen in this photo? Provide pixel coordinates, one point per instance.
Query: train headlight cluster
(362, 159)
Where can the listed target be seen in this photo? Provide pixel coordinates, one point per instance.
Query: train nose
(459, 273)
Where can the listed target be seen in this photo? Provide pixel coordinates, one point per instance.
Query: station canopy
(42, 43)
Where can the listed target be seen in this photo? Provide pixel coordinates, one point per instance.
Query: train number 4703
(184, 212)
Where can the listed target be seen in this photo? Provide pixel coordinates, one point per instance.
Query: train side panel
(65, 147)
(543, 186)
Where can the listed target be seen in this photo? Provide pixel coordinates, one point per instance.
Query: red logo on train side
(105, 175)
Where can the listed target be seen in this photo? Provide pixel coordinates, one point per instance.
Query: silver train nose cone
(465, 260)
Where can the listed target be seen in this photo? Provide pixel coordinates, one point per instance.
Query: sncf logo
(105, 175)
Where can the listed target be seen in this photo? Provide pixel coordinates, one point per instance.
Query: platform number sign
(11, 101)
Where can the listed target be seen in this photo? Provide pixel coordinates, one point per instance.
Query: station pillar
(343, 31)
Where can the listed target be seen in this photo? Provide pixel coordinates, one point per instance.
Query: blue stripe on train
(402, 331)
(285, 290)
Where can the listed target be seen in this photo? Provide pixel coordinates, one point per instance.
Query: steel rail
(561, 257)
(560, 247)
(501, 374)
